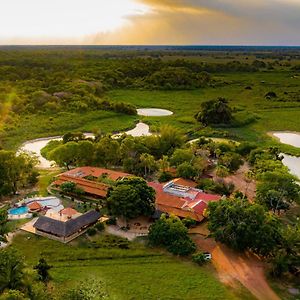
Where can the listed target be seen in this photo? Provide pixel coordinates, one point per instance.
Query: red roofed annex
(182, 200)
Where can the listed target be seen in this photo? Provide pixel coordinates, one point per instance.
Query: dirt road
(233, 267)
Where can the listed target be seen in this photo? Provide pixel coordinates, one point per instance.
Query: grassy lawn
(37, 126)
(134, 273)
(266, 115)
(45, 179)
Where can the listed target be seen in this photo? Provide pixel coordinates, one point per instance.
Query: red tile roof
(182, 207)
(95, 172)
(200, 207)
(185, 182)
(207, 197)
(34, 206)
(69, 211)
(165, 198)
(90, 187)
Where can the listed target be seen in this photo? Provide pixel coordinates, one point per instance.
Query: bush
(100, 226)
(171, 234)
(91, 231)
(111, 221)
(165, 177)
(199, 258)
(188, 222)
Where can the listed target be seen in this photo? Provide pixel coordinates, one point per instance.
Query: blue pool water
(18, 211)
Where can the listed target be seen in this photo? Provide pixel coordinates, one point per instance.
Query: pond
(293, 139)
(289, 138)
(154, 112)
(293, 163)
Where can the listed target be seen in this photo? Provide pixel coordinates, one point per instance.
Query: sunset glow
(231, 22)
(64, 18)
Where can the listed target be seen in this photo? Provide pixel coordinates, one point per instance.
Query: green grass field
(135, 273)
(258, 114)
(37, 126)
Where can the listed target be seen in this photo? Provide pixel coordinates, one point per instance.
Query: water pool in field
(293, 139)
(18, 210)
(154, 112)
(289, 138)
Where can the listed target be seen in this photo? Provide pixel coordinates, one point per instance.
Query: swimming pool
(18, 211)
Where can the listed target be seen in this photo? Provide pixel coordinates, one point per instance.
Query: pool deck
(28, 227)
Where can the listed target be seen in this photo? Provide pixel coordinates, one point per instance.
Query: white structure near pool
(25, 208)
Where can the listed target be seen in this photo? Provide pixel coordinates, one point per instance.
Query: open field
(44, 125)
(135, 273)
(256, 114)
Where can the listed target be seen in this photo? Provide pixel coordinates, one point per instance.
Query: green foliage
(43, 270)
(199, 258)
(100, 226)
(186, 170)
(189, 223)
(171, 234)
(215, 112)
(244, 226)
(11, 269)
(231, 160)
(182, 155)
(245, 148)
(287, 257)
(111, 264)
(130, 198)
(91, 289)
(13, 295)
(276, 191)
(15, 171)
(68, 187)
(165, 177)
(177, 78)
(91, 231)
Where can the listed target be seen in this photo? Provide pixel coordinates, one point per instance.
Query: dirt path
(232, 267)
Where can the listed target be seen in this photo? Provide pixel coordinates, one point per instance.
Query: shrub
(199, 258)
(100, 226)
(91, 231)
(188, 222)
(111, 221)
(171, 234)
(165, 176)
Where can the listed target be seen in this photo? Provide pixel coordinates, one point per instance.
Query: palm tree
(164, 163)
(148, 161)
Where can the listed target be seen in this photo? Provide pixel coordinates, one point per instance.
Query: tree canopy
(244, 226)
(215, 112)
(130, 198)
(170, 232)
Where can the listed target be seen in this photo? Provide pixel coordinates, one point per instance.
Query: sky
(147, 22)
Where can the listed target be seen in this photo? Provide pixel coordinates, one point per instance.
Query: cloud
(271, 22)
(257, 22)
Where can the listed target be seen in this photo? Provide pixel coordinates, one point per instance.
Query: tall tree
(277, 190)
(171, 234)
(244, 226)
(215, 112)
(130, 198)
